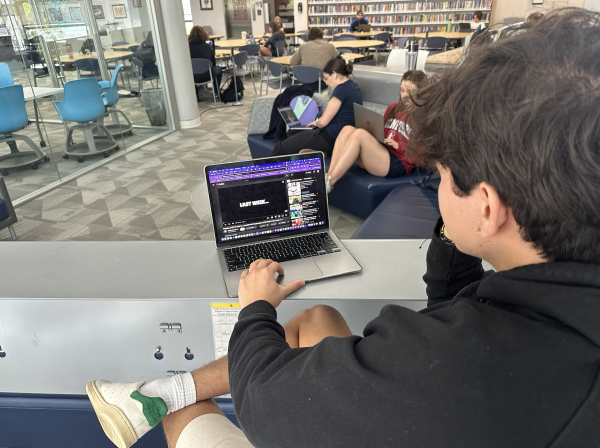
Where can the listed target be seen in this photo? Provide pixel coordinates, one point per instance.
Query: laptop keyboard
(239, 258)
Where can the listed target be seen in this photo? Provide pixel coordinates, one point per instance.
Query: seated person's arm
(448, 269)
(330, 111)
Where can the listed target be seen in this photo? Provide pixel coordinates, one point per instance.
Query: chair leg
(254, 85)
(13, 235)
(30, 143)
(89, 138)
(212, 87)
(280, 82)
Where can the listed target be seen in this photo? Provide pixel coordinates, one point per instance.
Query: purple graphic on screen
(269, 169)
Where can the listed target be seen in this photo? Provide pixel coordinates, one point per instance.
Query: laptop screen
(288, 115)
(267, 197)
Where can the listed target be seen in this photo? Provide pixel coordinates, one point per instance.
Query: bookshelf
(404, 17)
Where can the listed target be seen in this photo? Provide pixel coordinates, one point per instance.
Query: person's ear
(492, 211)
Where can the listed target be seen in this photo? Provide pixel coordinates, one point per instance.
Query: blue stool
(111, 98)
(83, 104)
(13, 118)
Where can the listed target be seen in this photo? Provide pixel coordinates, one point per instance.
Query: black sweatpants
(317, 139)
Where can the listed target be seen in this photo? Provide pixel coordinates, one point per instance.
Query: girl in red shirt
(383, 160)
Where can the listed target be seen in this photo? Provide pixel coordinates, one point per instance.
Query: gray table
(83, 310)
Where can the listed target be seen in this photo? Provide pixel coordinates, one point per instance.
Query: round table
(362, 34)
(234, 43)
(108, 55)
(125, 46)
(286, 34)
(357, 43)
(215, 36)
(451, 35)
(222, 54)
(286, 60)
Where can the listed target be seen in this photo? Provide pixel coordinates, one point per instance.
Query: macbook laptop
(464, 27)
(290, 118)
(364, 27)
(275, 208)
(369, 121)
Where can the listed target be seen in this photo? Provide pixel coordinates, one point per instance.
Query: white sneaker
(124, 414)
(327, 184)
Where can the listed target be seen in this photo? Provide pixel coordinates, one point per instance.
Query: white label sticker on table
(224, 316)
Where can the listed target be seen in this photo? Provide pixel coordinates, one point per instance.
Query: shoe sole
(114, 422)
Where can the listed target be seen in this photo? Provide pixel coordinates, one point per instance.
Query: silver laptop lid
(267, 198)
(370, 121)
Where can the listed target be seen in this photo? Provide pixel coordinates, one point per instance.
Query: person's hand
(258, 283)
(392, 143)
(312, 124)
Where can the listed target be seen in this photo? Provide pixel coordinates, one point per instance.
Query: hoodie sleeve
(448, 269)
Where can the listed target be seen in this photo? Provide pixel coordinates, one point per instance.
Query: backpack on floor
(228, 92)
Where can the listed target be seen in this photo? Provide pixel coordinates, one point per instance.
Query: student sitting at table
(476, 23)
(147, 55)
(386, 159)
(359, 20)
(201, 49)
(269, 44)
(339, 112)
(278, 21)
(316, 52)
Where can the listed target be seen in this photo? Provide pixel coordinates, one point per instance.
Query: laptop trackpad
(305, 269)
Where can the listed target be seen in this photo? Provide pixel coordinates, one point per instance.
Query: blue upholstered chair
(7, 213)
(6, 78)
(83, 104)
(110, 91)
(13, 118)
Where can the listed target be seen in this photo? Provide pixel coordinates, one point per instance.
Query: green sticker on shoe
(154, 408)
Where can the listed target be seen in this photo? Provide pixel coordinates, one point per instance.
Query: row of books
(396, 32)
(387, 7)
(396, 19)
(421, 6)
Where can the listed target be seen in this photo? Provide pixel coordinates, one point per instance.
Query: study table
(447, 35)
(108, 55)
(72, 312)
(357, 43)
(286, 60)
(362, 33)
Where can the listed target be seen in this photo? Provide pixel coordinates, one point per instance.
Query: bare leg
(340, 142)
(306, 329)
(264, 51)
(174, 424)
(363, 148)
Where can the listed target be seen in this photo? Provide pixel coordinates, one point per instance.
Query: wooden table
(222, 54)
(286, 60)
(286, 34)
(357, 43)
(450, 57)
(108, 55)
(452, 35)
(234, 43)
(363, 34)
(215, 36)
(125, 46)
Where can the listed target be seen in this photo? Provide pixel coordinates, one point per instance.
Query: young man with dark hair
(498, 359)
(316, 52)
(358, 20)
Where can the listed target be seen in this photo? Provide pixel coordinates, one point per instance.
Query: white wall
(521, 8)
(258, 22)
(214, 18)
(593, 5)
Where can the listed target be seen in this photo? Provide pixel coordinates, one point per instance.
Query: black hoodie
(508, 359)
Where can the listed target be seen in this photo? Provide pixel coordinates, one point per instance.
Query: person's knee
(360, 134)
(319, 314)
(348, 129)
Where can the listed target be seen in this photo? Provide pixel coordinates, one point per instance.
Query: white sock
(178, 391)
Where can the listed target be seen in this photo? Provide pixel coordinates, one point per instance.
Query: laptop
(464, 27)
(290, 118)
(364, 27)
(275, 208)
(369, 121)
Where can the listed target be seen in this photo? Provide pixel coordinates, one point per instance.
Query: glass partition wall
(46, 44)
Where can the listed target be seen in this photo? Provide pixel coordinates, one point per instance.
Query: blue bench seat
(408, 212)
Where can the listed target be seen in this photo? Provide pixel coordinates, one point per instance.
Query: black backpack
(228, 92)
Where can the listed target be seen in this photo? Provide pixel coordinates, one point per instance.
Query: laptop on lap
(370, 121)
(290, 118)
(275, 208)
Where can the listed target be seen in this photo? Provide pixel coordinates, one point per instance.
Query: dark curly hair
(523, 115)
(198, 34)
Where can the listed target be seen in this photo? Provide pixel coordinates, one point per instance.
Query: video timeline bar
(258, 171)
